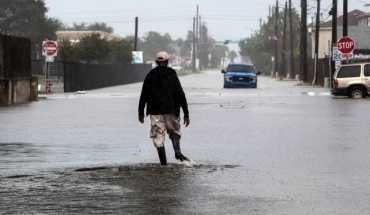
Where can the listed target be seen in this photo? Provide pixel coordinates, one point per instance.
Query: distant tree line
(27, 18)
(261, 45)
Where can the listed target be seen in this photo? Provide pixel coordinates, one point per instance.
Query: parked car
(240, 75)
(177, 68)
(352, 80)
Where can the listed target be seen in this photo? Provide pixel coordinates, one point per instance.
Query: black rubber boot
(162, 155)
(176, 146)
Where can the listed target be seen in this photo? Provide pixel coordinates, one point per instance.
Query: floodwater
(278, 149)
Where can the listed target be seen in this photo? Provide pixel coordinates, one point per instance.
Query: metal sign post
(46, 75)
(49, 50)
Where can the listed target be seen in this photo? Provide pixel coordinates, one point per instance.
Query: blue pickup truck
(240, 75)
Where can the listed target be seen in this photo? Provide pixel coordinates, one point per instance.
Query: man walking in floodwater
(163, 96)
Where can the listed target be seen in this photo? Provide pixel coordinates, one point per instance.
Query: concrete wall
(15, 70)
(4, 91)
(18, 91)
(34, 92)
(21, 91)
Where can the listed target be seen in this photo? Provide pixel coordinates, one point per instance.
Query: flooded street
(278, 149)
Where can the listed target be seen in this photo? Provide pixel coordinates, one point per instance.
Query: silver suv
(352, 80)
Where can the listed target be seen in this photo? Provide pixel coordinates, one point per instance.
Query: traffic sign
(137, 57)
(49, 59)
(49, 48)
(234, 42)
(346, 45)
(347, 56)
(338, 56)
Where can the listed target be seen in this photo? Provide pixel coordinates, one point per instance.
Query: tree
(100, 26)
(93, 49)
(154, 42)
(67, 52)
(261, 44)
(232, 56)
(77, 27)
(186, 47)
(120, 51)
(205, 46)
(179, 41)
(96, 26)
(218, 53)
(27, 18)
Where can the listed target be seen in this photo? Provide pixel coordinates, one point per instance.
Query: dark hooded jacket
(162, 93)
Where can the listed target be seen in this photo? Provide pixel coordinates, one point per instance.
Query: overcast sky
(226, 19)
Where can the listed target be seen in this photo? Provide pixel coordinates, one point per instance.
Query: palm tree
(232, 56)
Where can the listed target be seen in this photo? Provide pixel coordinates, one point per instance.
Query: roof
(352, 19)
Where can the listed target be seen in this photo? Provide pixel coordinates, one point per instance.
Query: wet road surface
(278, 149)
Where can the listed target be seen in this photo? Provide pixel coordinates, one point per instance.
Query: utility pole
(194, 56)
(197, 32)
(276, 37)
(291, 40)
(200, 40)
(283, 72)
(334, 13)
(260, 24)
(345, 18)
(317, 41)
(312, 22)
(304, 40)
(269, 10)
(136, 32)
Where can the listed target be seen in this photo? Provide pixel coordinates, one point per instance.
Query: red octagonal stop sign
(346, 45)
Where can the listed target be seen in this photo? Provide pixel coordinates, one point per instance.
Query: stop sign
(346, 45)
(50, 48)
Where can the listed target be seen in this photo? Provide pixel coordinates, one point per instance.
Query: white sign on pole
(137, 57)
(49, 59)
(337, 55)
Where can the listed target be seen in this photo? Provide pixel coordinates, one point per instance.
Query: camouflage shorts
(162, 123)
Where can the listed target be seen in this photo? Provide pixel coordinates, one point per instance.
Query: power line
(170, 16)
(363, 2)
(142, 18)
(169, 19)
(131, 21)
(135, 11)
(232, 19)
(128, 10)
(235, 16)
